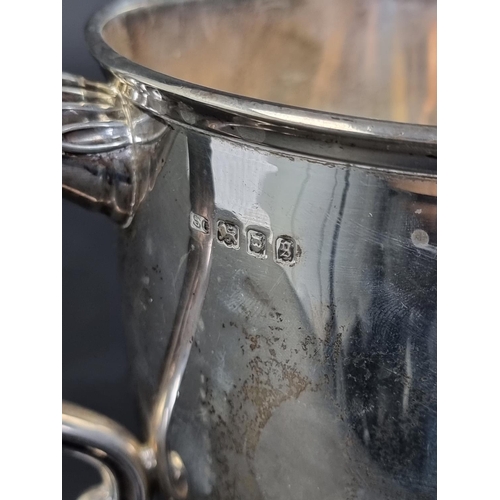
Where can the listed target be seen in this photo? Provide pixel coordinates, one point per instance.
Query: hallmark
(286, 250)
(228, 234)
(198, 223)
(256, 244)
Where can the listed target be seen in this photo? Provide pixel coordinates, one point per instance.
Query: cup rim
(421, 139)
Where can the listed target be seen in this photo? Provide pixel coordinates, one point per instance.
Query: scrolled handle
(122, 461)
(111, 150)
(112, 153)
(94, 120)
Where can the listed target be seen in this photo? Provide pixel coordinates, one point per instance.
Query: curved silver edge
(99, 437)
(107, 489)
(418, 140)
(102, 441)
(217, 113)
(112, 152)
(170, 469)
(125, 465)
(346, 151)
(171, 473)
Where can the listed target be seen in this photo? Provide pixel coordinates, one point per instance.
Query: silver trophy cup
(273, 165)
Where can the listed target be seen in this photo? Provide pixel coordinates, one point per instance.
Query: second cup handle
(112, 153)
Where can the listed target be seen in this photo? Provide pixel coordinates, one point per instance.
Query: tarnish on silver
(273, 380)
(111, 151)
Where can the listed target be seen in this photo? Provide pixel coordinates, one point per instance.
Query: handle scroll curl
(112, 153)
(110, 448)
(111, 150)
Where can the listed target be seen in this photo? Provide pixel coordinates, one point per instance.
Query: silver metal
(280, 267)
(116, 452)
(190, 302)
(111, 153)
(316, 379)
(108, 489)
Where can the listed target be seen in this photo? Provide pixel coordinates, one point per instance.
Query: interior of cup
(366, 58)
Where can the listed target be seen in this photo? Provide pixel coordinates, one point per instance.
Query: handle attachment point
(112, 151)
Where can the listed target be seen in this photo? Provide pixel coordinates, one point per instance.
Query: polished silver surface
(235, 104)
(107, 489)
(374, 59)
(190, 301)
(279, 262)
(313, 380)
(108, 446)
(110, 152)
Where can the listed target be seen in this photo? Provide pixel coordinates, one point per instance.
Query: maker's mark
(198, 223)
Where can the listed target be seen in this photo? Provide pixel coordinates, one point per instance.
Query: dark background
(94, 370)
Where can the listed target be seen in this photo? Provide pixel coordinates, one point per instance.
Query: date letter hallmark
(198, 223)
(228, 234)
(286, 250)
(256, 244)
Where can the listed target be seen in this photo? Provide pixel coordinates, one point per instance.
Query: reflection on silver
(111, 153)
(108, 489)
(374, 59)
(109, 446)
(320, 375)
(171, 473)
(308, 374)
